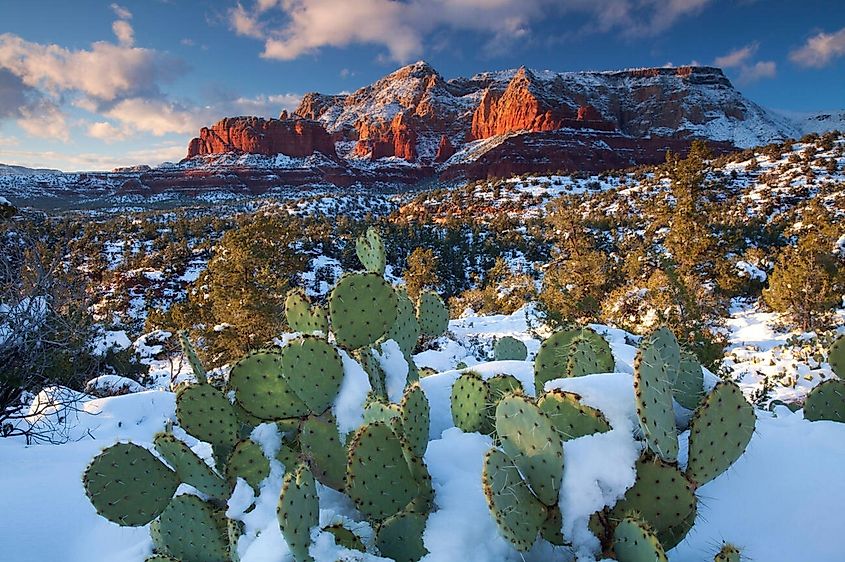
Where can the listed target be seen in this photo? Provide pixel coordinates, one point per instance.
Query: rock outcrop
(255, 135)
(445, 150)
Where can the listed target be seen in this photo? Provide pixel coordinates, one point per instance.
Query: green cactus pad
(664, 499)
(298, 511)
(370, 250)
(302, 316)
(192, 530)
(345, 538)
(552, 526)
(553, 357)
(529, 438)
(406, 329)
(415, 416)
(313, 370)
(569, 416)
(189, 467)
(322, 450)
(509, 348)
(128, 485)
(470, 400)
(836, 356)
(400, 537)
(205, 413)
(728, 553)
(655, 367)
(419, 472)
(501, 385)
(247, 461)
(363, 307)
(378, 479)
(161, 558)
(235, 529)
(519, 515)
(377, 411)
(719, 432)
(288, 456)
(191, 354)
(826, 402)
(589, 353)
(688, 385)
(262, 389)
(432, 314)
(634, 541)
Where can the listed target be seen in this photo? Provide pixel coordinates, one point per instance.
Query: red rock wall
(293, 137)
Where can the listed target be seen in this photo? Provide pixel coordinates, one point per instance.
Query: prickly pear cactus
(304, 317)
(400, 537)
(161, 558)
(322, 450)
(655, 368)
(406, 329)
(470, 400)
(128, 485)
(519, 515)
(189, 467)
(509, 348)
(298, 511)
(247, 461)
(720, 431)
(634, 541)
(728, 553)
(345, 538)
(688, 384)
(370, 250)
(191, 354)
(826, 402)
(313, 370)
(414, 413)
(193, 530)
(529, 438)
(262, 390)
(836, 356)
(589, 353)
(205, 413)
(569, 416)
(553, 357)
(362, 307)
(432, 314)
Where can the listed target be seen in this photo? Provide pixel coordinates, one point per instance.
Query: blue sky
(92, 85)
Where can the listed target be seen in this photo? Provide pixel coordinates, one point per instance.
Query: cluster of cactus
(380, 468)
(572, 353)
(522, 476)
(509, 348)
(827, 400)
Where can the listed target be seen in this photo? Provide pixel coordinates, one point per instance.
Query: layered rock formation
(255, 135)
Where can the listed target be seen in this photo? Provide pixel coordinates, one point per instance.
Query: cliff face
(254, 135)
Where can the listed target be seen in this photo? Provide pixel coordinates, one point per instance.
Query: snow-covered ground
(780, 502)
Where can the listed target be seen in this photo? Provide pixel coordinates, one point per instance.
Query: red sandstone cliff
(255, 135)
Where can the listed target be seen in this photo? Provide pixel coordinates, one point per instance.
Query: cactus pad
(345, 538)
(262, 389)
(191, 354)
(529, 438)
(192, 530)
(377, 411)
(415, 416)
(248, 462)
(370, 250)
(470, 399)
(205, 413)
(719, 432)
(363, 307)
(161, 558)
(128, 485)
(552, 526)
(189, 467)
(552, 359)
(298, 511)
(432, 314)
(406, 329)
(400, 537)
(634, 541)
(728, 553)
(323, 452)
(836, 356)
(517, 512)
(509, 348)
(302, 316)
(378, 479)
(826, 402)
(313, 370)
(688, 385)
(569, 416)
(502, 384)
(589, 353)
(663, 498)
(655, 367)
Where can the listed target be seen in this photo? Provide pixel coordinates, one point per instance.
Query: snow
(392, 361)
(115, 340)
(112, 384)
(348, 407)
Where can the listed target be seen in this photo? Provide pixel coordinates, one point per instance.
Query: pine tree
(421, 273)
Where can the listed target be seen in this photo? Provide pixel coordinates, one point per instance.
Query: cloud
(156, 116)
(44, 120)
(121, 12)
(748, 70)
(403, 27)
(261, 105)
(820, 49)
(106, 132)
(95, 161)
(124, 33)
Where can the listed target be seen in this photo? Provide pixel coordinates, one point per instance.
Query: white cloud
(105, 71)
(158, 117)
(121, 12)
(748, 70)
(820, 49)
(44, 120)
(77, 161)
(9, 141)
(124, 33)
(106, 132)
(403, 27)
(262, 105)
